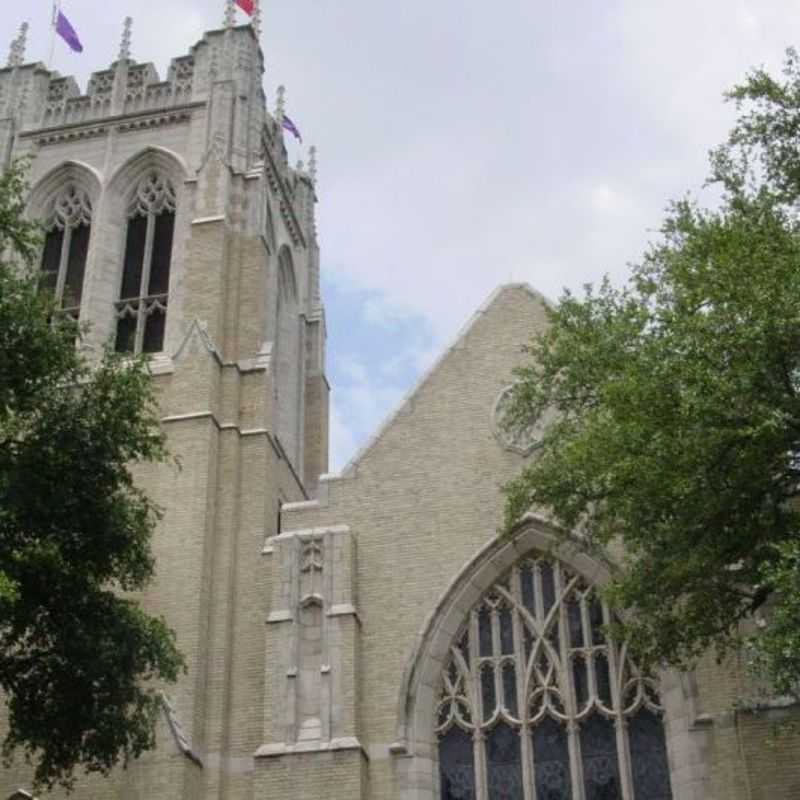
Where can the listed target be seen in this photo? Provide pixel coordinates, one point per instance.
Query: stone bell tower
(199, 247)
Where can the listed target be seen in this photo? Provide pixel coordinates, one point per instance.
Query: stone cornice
(121, 122)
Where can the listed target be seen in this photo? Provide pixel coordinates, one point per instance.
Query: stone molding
(124, 122)
(282, 749)
(178, 734)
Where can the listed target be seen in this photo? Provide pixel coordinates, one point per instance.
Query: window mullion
(141, 316)
(625, 773)
(478, 738)
(526, 751)
(496, 660)
(62, 266)
(568, 689)
(617, 700)
(589, 650)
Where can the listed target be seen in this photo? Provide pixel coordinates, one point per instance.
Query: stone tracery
(72, 207)
(142, 307)
(67, 225)
(536, 703)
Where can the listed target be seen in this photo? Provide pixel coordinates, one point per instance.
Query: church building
(365, 635)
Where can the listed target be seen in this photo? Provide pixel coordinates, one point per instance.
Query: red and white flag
(248, 6)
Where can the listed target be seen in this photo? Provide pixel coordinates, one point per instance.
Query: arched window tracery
(66, 245)
(142, 306)
(536, 704)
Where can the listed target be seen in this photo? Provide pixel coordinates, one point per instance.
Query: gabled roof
(350, 469)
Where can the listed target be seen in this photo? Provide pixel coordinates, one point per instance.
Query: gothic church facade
(359, 636)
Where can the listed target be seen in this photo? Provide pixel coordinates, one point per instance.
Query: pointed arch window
(66, 245)
(142, 305)
(536, 704)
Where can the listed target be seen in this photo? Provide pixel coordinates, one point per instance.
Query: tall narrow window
(536, 704)
(66, 244)
(142, 306)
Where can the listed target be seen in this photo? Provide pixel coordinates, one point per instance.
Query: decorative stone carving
(59, 92)
(521, 439)
(72, 207)
(125, 42)
(16, 54)
(230, 14)
(153, 195)
(312, 639)
(311, 558)
(183, 77)
(256, 20)
(311, 564)
(101, 85)
(134, 92)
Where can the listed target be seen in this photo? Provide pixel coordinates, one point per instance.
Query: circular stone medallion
(521, 439)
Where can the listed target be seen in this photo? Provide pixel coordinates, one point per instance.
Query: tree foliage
(678, 400)
(77, 653)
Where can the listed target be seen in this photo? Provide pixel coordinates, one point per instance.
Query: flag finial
(125, 42)
(230, 13)
(256, 20)
(16, 53)
(312, 164)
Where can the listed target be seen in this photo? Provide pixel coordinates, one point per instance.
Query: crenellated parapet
(215, 91)
(128, 87)
(140, 90)
(60, 91)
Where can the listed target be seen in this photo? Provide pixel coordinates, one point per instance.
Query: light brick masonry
(315, 613)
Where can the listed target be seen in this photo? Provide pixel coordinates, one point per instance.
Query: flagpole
(52, 34)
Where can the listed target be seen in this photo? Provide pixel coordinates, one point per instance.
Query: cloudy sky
(466, 144)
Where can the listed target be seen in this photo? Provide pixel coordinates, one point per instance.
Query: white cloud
(607, 200)
(464, 144)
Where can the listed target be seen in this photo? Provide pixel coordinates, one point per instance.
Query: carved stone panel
(522, 439)
(312, 628)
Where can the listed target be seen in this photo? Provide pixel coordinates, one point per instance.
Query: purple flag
(67, 33)
(292, 128)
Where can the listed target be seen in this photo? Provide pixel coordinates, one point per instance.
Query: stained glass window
(648, 756)
(458, 770)
(66, 246)
(536, 704)
(504, 764)
(142, 306)
(551, 757)
(599, 757)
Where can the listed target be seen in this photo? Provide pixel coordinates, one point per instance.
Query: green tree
(78, 656)
(678, 400)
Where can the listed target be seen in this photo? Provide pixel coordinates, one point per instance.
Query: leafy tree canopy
(77, 653)
(678, 432)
